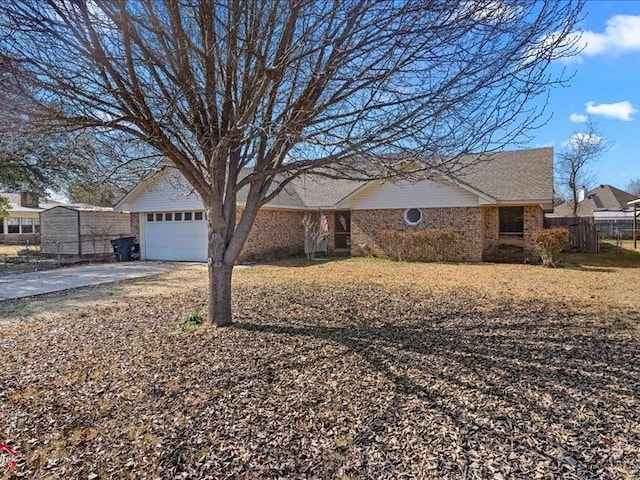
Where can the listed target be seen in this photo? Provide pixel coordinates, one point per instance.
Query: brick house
(497, 203)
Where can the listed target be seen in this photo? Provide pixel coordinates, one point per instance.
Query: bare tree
(633, 187)
(253, 93)
(573, 166)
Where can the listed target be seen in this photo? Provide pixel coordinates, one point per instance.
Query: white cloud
(619, 110)
(582, 138)
(578, 118)
(621, 35)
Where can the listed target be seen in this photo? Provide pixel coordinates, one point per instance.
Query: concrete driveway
(19, 285)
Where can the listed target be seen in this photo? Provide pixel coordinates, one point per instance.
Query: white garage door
(176, 236)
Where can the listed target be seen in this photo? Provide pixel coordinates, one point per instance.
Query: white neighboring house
(23, 223)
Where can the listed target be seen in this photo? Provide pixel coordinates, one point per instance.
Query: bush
(418, 245)
(550, 242)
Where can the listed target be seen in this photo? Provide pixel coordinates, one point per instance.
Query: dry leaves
(314, 381)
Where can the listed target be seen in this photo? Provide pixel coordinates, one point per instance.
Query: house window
(36, 225)
(158, 217)
(188, 216)
(198, 215)
(149, 217)
(168, 217)
(511, 220)
(13, 225)
(413, 216)
(177, 216)
(27, 225)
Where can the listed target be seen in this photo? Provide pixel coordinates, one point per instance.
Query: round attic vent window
(412, 216)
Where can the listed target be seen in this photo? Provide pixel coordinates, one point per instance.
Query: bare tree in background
(253, 93)
(633, 187)
(573, 166)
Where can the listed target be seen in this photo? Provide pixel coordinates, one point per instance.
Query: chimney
(582, 193)
(28, 199)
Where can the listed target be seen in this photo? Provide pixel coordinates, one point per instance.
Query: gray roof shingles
(512, 176)
(604, 197)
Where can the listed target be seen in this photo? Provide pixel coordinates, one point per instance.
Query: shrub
(550, 242)
(418, 245)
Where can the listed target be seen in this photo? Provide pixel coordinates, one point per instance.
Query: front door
(343, 230)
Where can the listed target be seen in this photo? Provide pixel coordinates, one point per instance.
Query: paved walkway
(19, 285)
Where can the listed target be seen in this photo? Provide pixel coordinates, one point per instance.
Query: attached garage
(175, 236)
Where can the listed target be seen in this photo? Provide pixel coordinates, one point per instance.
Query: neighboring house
(495, 203)
(607, 205)
(23, 223)
(81, 230)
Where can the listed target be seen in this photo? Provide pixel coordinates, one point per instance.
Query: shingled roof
(518, 176)
(602, 198)
(514, 176)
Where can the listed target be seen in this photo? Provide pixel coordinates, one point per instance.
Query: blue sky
(605, 88)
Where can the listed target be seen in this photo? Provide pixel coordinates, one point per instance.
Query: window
(158, 217)
(413, 216)
(1, 226)
(149, 217)
(27, 225)
(168, 217)
(177, 216)
(36, 224)
(188, 216)
(198, 215)
(13, 225)
(511, 220)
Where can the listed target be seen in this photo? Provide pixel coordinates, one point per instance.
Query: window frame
(508, 217)
(412, 223)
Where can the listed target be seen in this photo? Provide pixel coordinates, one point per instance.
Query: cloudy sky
(605, 88)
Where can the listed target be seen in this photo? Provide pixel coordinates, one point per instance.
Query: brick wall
(466, 222)
(533, 220)
(134, 220)
(491, 221)
(275, 233)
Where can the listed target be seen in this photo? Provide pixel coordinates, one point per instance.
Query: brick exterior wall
(491, 221)
(134, 221)
(466, 222)
(275, 233)
(533, 220)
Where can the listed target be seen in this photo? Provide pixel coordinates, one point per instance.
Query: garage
(175, 236)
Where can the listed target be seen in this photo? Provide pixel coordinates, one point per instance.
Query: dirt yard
(349, 368)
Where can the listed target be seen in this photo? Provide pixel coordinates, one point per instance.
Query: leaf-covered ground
(404, 373)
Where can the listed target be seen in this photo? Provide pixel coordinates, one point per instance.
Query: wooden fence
(584, 234)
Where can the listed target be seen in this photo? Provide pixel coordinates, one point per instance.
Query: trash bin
(122, 248)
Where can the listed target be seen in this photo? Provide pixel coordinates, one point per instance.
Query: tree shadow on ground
(535, 382)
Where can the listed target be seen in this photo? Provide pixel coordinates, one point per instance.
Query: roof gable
(520, 176)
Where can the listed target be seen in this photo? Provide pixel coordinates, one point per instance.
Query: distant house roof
(602, 198)
(82, 207)
(516, 177)
(46, 204)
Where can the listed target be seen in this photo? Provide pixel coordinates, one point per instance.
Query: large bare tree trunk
(220, 293)
(220, 273)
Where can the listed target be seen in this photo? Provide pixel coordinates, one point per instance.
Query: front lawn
(333, 369)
